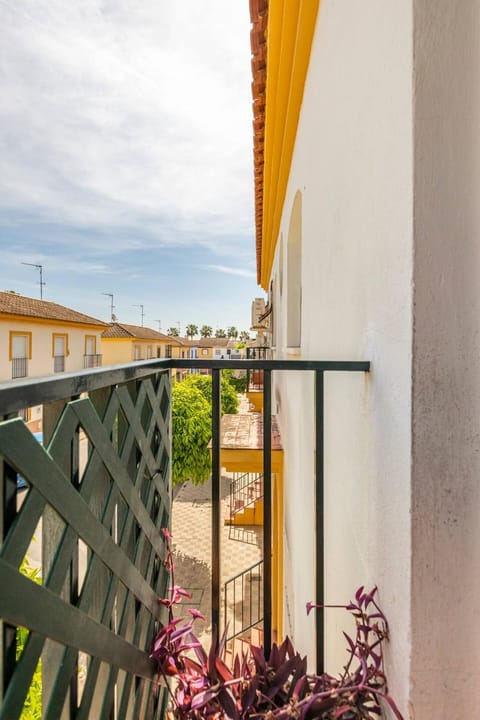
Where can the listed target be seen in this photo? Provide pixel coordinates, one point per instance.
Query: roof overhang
(281, 40)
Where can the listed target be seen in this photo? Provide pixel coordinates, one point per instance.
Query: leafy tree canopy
(173, 332)
(244, 335)
(191, 431)
(192, 425)
(220, 333)
(191, 330)
(232, 332)
(206, 331)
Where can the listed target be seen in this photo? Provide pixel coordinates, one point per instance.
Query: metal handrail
(251, 614)
(17, 395)
(240, 496)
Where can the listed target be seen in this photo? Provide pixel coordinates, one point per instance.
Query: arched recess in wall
(294, 274)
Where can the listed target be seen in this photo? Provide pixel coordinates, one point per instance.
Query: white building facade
(368, 241)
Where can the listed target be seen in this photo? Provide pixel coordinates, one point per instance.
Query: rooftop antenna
(112, 306)
(143, 314)
(39, 267)
(159, 325)
(178, 325)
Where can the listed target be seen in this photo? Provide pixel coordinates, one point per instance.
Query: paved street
(191, 527)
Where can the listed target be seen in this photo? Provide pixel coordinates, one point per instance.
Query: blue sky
(126, 157)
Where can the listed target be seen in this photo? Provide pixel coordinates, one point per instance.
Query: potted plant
(274, 688)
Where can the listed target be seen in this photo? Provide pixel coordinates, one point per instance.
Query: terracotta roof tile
(259, 19)
(14, 304)
(122, 330)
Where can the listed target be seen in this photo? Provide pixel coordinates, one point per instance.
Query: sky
(126, 158)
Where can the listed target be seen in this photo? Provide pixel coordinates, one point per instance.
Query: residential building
(39, 337)
(209, 348)
(367, 172)
(123, 343)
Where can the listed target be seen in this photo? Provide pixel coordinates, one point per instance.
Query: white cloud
(241, 272)
(127, 114)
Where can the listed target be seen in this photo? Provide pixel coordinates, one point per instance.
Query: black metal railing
(243, 601)
(19, 368)
(92, 361)
(245, 490)
(100, 484)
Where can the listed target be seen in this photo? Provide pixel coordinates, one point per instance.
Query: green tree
(191, 431)
(191, 330)
(206, 331)
(238, 381)
(192, 425)
(228, 395)
(220, 333)
(232, 332)
(244, 335)
(173, 332)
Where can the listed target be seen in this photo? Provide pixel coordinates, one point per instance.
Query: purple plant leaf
(259, 658)
(223, 671)
(228, 703)
(203, 698)
(250, 694)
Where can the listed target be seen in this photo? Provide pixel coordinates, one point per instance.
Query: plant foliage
(32, 707)
(274, 688)
(191, 431)
(192, 425)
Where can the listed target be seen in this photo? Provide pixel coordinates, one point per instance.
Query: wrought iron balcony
(92, 361)
(19, 368)
(59, 363)
(98, 492)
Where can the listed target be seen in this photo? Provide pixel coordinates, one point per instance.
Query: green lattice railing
(97, 494)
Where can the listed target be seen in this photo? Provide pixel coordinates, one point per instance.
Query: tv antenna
(159, 325)
(39, 267)
(112, 306)
(143, 314)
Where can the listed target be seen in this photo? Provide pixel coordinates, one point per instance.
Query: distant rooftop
(13, 304)
(122, 330)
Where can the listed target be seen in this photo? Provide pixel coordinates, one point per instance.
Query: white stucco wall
(446, 372)
(353, 166)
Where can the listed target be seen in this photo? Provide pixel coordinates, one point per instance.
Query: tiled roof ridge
(120, 329)
(258, 17)
(13, 303)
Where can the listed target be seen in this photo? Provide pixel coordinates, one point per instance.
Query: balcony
(92, 361)
(59, 364)
(98, 491)
(19, 368)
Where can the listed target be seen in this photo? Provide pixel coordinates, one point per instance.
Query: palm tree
(232, 332)
(191, 330)
(219, 333)
(244, 336)
(173, 332)
(206, 331)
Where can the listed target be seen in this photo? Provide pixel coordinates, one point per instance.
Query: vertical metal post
(216, 499)
(319, 521)
(267, 510)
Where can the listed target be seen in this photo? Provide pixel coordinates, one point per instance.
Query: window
(91, 359)
(159, 351)
(20, 351)
(204, 351)
(137, 352)
(168, 351)
(149, 352)
(59, 351)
